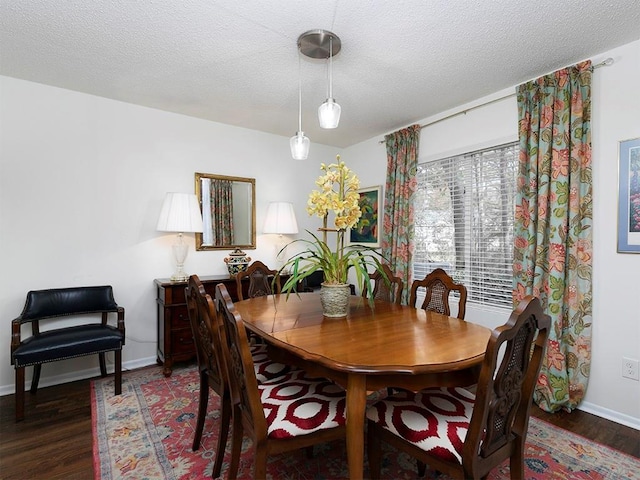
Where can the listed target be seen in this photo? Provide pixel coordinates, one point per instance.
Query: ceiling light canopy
(319, 44)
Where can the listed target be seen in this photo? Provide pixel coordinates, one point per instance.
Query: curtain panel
(400, 186)
(553, 225)
(222, 212)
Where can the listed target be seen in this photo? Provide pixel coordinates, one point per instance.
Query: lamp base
(180, 251)
(281, 254)
(179, 277)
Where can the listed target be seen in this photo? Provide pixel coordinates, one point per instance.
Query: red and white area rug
(147, 433)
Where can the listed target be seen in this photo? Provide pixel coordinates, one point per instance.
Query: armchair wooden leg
(36, 378)
(103, 364)
(19, 394)
(118, 373)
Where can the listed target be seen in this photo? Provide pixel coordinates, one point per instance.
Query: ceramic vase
(335, 299)
(237, 262)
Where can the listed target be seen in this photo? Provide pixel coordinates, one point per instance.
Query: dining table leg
(356, 403)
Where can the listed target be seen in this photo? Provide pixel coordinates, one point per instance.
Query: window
(464, 221)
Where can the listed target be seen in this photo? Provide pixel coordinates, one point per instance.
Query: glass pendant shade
(299, 143)
(329, 111)
(299, 146)
(329, 114)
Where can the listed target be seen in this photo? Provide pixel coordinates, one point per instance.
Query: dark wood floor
(55, 442)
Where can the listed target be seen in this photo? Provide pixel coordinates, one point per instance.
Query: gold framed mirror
(228, 206)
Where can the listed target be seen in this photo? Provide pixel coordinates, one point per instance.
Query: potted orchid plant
(337, 196)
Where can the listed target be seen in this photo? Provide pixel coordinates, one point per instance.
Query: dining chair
(205, 326)
(211, 368)
(462, 434)
(260, 277)
(388, 289)
(280, 416)
(439, 285)
(266, 369)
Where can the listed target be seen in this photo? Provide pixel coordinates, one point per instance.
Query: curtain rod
(605, 63)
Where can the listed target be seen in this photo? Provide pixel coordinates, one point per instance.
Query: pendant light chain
(299, 94)
(330, 67)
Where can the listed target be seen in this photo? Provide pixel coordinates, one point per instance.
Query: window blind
(464, 211)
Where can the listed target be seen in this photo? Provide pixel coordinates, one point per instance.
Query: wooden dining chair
(388, 289)
(285, 415)
(260, 277)
(462, 434)
(439, 285)
(211, 368)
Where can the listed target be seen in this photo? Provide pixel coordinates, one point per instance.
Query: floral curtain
(397, 239)
(553, 225)
(222, 212)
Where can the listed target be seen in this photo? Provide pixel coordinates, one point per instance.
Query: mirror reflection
(228, 212)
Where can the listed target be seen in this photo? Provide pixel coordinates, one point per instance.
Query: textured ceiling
(236, 61)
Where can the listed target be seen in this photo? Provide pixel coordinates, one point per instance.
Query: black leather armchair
(69, 341)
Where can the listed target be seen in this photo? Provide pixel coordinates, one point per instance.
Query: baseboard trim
(612, 415)
(78, 375)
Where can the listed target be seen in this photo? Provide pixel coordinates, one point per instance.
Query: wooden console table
(175, 340)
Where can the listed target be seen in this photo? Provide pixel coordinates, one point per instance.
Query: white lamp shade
(299, 146)
(329, 114)
(180, 213)
(280, 219)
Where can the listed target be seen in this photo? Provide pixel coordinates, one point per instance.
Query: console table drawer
(182, 342)
(179, 318)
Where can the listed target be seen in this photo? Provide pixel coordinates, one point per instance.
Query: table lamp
(281, 220)
(180, 213)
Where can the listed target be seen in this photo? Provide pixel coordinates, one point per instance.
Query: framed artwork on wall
(629, 196)
(369, 228)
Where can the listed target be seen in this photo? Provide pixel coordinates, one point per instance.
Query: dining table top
(372, 339)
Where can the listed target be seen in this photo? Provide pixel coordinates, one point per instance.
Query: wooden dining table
(374, 347)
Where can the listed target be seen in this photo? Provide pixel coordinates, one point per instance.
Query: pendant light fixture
(329, 111)
(323, 44)
(316, 44)
(299, 143)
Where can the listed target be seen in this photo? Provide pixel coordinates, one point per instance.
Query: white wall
(616, 288)
(82, 179)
